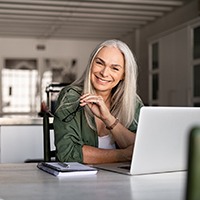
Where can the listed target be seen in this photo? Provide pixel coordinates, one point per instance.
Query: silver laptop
(161, 141)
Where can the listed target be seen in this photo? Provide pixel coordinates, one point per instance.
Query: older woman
(96, 116)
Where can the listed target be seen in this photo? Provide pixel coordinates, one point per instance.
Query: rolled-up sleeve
(68, 140)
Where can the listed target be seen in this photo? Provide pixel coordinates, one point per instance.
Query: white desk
(26, 182)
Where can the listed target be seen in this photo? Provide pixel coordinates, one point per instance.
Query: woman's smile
(102, 80)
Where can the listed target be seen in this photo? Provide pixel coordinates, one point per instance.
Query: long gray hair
(124, 95)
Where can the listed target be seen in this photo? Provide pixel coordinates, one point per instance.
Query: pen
(63, 164)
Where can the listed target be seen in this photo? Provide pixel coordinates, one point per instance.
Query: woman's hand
(96, 105)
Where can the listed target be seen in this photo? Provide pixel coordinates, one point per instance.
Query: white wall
(174, 69)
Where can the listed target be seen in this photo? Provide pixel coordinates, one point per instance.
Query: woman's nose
(105, 71)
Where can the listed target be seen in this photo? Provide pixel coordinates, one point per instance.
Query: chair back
(49, 154)
(193, 177)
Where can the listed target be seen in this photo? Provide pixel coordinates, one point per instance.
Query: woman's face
(107, 69)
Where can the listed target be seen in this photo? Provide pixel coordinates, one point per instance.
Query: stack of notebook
(66, 169)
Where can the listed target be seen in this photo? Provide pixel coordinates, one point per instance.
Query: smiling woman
(104, 129)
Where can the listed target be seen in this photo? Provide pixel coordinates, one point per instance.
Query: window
(19, 86)
(19, 90)
(154, 73)
(155, 63)
(196, 84)
(155, 85)
(196, 66)
(196, 42)
(23, 86)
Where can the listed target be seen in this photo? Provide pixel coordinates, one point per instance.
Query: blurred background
(45, 44)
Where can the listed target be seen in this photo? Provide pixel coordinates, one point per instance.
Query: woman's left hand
(96, 105)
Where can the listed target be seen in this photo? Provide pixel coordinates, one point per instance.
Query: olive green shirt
(71, 128)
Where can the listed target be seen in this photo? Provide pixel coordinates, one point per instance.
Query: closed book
(66, 168)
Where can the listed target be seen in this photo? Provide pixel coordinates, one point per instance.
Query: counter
(21, 139)
(20, 120)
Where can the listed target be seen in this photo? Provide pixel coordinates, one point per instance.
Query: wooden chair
(193, 177)
(49, 154)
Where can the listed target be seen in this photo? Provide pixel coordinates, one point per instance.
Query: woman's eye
(99, 63)
(115, 68)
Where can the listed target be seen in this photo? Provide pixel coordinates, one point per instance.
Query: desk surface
(26, 182)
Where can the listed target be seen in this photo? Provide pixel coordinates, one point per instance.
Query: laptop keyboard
(127, 167)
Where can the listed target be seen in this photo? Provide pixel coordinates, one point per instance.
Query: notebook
(66, 169)
(161, 141)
